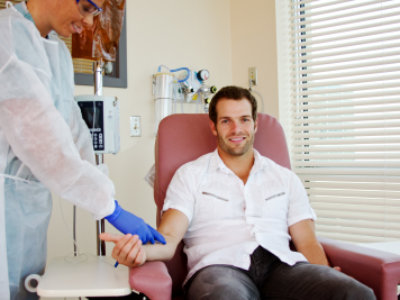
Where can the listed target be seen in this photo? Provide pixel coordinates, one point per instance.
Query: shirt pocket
(213, 205)
(275, 204)
(214, 195)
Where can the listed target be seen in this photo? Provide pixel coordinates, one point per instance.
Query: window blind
(339, 79)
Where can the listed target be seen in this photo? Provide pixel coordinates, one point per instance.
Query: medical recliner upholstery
(184, 137)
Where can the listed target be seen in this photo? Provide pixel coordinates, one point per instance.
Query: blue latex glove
(127, 222)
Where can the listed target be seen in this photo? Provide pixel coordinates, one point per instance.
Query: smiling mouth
(237, 139)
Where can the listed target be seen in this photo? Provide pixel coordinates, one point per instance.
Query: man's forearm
(160, 251)
(129, 250)
(305, 241)
(315, 254)
(173, 227)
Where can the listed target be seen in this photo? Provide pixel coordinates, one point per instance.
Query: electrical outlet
(252, 76)
(135, 128)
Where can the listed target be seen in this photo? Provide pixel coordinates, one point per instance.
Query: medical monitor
(101, 115)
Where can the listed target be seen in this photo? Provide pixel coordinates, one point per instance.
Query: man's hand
(128, 249)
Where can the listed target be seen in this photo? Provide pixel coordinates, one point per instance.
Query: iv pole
(98, 91)
(100, 224)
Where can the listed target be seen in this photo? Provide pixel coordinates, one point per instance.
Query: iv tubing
(182, 69)
(160, 66)
(176, 70)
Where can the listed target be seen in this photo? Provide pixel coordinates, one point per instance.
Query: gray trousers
(269, 278)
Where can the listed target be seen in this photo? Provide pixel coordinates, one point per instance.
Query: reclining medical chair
(184, 137)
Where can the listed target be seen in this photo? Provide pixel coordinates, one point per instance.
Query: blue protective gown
(44, 145)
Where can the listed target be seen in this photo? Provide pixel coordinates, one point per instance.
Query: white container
(163, 85)
(163, 95)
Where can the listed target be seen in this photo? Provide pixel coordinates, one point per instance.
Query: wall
(224, 36)
(254, 45)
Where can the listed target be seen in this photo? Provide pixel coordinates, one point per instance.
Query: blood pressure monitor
(101, 115)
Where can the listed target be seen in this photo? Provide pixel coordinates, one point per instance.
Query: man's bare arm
(305, 241)
(173, 227)
(128, 249)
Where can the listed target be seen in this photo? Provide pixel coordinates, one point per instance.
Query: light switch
(252, 76)
(135, 127)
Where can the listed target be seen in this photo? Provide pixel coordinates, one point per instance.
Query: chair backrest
(184, 137)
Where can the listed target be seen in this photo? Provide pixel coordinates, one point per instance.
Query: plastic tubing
(182, 69)
(161, 66)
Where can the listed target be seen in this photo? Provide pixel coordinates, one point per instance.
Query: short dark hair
(233, 93)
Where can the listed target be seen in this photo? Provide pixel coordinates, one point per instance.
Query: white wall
(224, 36)
(254, 45)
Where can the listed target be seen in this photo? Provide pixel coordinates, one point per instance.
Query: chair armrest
(151, 279)
(377, 269)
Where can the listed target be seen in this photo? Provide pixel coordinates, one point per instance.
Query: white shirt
(228, 220)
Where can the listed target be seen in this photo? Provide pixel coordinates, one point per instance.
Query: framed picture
(105, 40)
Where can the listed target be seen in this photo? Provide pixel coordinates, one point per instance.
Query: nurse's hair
(232, 93)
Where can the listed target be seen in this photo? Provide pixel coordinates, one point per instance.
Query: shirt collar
(216, 162)
(259, 163)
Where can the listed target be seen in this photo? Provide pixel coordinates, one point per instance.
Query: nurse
(44, 144)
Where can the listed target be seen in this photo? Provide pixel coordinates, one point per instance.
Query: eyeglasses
(88, 7)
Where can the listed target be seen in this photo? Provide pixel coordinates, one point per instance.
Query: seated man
(236, 212)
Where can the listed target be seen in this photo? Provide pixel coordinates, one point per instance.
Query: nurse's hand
(127, 222)
(128, 249)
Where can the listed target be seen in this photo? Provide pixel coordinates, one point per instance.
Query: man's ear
(213, 127)
(255, 125)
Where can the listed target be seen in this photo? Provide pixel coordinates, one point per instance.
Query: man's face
(235, 127)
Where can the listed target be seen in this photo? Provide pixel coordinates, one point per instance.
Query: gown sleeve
(38, 133)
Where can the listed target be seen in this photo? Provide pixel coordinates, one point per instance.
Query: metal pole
(98, 91)
(100, 224)
(98, 78)
(74, 230)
